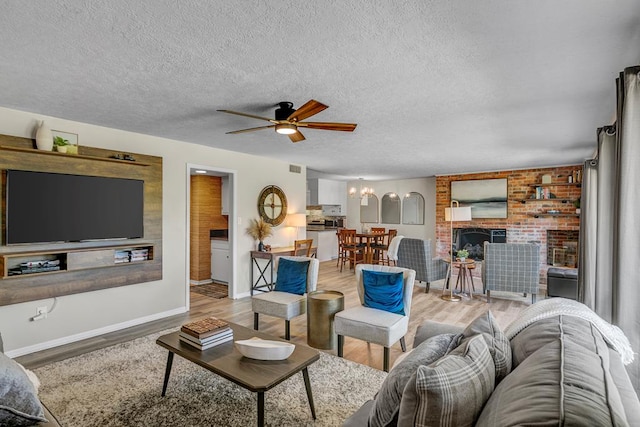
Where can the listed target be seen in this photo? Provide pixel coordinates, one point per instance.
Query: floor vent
(295, 169)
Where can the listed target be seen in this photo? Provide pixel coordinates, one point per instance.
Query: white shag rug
(121, 386)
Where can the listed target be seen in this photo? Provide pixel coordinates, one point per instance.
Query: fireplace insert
(472, 239)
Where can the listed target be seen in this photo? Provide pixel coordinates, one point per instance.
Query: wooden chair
(382, 247)
(302, 247)
(349, 248)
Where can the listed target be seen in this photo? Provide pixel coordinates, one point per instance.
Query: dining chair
(351, 250)
(295, 277)
(383, 314)
(302, 247)
(381, 248)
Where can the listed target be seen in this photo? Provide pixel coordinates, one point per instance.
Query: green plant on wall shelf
(59, 141)
(61, 144)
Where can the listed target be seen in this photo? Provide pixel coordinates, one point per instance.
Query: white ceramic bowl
(256, 348)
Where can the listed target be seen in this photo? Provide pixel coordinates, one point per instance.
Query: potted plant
(462, 255)
(576, 203)
(61, 144)
(259, 230)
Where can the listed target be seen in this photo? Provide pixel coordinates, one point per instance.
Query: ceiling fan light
(286, 128)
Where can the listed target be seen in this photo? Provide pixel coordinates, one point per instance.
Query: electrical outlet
(41, 312)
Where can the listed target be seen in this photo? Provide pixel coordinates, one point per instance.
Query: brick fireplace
(526, 220)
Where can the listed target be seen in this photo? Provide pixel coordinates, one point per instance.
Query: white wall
(87, 314)
(424, 186)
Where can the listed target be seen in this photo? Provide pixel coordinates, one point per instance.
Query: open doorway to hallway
(211, 232)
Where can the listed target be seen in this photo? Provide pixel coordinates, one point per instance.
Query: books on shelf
(29, 270)
(131, 255)
(206, 333)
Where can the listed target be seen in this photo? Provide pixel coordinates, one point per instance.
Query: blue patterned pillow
(292, 276)
(383, 290)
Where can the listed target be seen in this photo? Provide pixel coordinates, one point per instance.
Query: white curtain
(610, 230)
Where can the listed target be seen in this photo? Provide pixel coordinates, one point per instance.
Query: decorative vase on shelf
(44, 137)
(261, 246)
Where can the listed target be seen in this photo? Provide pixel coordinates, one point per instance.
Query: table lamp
(452, 214)
(296, 220)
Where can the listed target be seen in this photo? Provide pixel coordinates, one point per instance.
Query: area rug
(121, 386)
(211, 290)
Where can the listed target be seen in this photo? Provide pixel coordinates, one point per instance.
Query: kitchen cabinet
(328, 192)
(220, 261)
(326, 242)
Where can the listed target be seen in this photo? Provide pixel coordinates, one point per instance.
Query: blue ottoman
(562, 282)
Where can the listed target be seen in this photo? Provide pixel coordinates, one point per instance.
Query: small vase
(44, 137)
(261, 246)
(463, 259)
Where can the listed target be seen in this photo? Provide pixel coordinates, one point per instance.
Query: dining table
(368, 240)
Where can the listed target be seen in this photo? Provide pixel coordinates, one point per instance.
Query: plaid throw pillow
(499, 345)
(451, 391)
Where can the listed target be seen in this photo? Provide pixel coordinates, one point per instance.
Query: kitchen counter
(321, 228)
(326, 239)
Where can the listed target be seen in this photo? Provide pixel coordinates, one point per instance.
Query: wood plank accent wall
(206, 208)
(96, 162)
(520, 225)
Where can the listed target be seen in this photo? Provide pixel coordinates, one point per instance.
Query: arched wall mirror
(413, 209)
(369, 211)
(390, 209)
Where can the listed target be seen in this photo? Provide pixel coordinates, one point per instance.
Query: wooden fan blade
(345, 127)
(251, 129)
(237, 113)
(307, 110)
(296, 137)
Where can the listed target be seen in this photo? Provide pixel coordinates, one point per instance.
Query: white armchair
(284, 304)
(372, 324)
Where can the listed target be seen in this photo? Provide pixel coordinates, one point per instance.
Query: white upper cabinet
(328, 192)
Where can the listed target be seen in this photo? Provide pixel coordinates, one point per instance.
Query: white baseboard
(200, 282)
(93, 333)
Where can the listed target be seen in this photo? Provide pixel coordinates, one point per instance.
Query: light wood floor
(504, 306)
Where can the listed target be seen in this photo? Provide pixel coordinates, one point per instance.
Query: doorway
(211, 232)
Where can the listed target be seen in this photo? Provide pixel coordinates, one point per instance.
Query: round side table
(321, 308)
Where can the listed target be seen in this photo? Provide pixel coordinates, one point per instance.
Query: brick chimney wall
(521, 226)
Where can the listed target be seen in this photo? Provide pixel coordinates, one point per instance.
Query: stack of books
(206, 333)
(122, 256)
(39, 266)
(139, 255)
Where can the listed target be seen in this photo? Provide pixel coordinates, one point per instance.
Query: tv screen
(52, 207)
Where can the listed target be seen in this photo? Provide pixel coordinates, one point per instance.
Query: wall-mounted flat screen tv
(52, 207)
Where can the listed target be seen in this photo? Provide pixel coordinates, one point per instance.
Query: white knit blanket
(561, 306)
(392, 252)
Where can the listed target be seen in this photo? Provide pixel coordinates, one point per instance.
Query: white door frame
(233, 221)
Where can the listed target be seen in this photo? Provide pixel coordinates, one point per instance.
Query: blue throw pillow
(292, 276)
(383, 290)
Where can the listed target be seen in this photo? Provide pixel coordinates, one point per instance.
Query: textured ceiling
(435, 87)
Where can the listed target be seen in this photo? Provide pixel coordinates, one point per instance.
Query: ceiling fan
(288, 120)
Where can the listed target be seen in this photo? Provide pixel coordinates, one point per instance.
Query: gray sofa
(555, 366)
(19, 403)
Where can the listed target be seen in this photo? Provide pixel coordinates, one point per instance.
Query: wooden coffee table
(226, 361)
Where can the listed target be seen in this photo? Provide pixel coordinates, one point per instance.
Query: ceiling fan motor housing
(286, 109)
